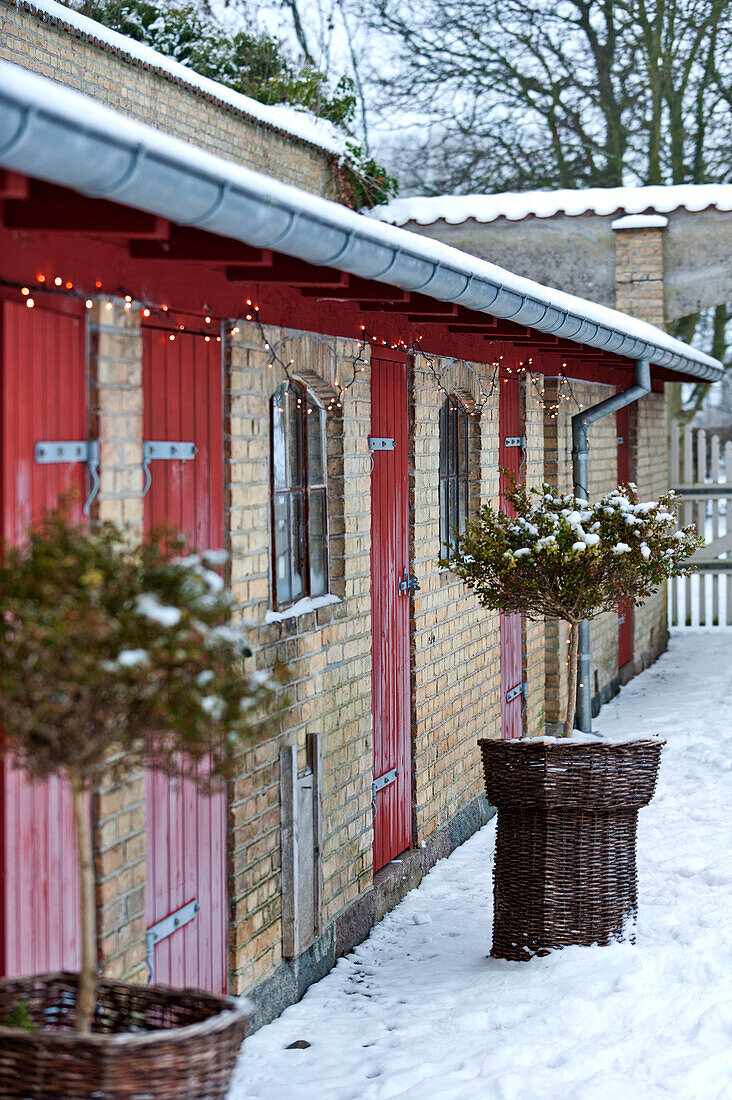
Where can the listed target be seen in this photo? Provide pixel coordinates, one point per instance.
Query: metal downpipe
(581, 423)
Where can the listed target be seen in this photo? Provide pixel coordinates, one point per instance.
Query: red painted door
(42, 397)
(182, 385)
(390, 610)
(625, 607)
(511, 456)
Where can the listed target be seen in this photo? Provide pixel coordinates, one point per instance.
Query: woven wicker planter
(565, 870)
(148, 1043)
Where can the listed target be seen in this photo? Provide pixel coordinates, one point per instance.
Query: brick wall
(603, 477)
(649, 468)
(639, 274)
(328, 651)
(455, 642)
(54, 49)
(118, 809)
(535, 671)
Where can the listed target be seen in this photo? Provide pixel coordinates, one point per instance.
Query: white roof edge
(53, 133)
(517, 205)
(288, 120)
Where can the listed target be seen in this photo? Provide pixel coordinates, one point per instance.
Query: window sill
(302, 607)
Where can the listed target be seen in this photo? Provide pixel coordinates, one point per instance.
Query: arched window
(454, 474)
(299, 506)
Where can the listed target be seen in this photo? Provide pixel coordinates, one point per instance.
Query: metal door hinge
(381, 443)
(167, 451)
(515, 441)
(621, 440)
(520, 689)
(164, 928)
(407, 584)
(49, 452)
(384, 780)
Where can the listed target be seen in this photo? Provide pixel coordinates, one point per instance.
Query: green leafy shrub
(564, 558)
(113, 657)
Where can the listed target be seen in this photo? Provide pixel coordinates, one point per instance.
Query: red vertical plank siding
(510, 628)
(182, 393)
(390, 611)
(42, 396)
(625, 607)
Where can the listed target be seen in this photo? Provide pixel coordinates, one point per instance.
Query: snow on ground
(420, 1012)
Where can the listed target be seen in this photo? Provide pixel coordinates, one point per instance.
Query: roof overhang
(55, 134)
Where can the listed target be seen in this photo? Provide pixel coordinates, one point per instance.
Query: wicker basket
(565, 869)
(147, 1043)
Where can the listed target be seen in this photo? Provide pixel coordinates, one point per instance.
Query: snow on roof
(290, 120)
(514, 206)
(321, 232)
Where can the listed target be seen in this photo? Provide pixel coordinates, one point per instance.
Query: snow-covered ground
(420, 1012)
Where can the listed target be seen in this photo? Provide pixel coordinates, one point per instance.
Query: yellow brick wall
(639, 274)
(120, 845)
(603, 477)
(48, 46)
(328, 651)
(649, 468)
(535, 670)
(455, 643)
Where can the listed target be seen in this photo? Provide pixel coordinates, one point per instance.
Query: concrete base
(287, 983)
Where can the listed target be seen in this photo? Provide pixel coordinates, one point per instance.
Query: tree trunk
(89, 978)
(572, 679)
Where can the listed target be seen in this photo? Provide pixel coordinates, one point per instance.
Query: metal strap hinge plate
(164, 928)
(384, 780)
(381, 443)
(515, 441)
(520, 689)
(168, 450)
(49, 452)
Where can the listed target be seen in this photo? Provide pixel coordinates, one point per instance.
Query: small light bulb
(146, 312)
(58, 280)
(172, 337)
(89, 303)
(30, 303)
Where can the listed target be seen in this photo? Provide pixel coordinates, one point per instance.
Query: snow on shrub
(560, 557)
(114, 657)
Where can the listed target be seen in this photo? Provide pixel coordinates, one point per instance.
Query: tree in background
(518, 95)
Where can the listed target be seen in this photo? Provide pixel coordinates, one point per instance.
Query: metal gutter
(581, 423)
(52, 133)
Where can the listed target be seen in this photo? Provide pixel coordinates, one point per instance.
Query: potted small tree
(115, 657)
(565, 868)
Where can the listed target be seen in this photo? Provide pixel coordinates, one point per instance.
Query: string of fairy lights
(486, 379)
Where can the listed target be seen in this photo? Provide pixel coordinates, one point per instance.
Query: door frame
(396, 795)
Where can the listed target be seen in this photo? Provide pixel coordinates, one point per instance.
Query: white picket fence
(701, 474)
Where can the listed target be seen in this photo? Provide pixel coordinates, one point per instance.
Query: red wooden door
(625, 607)
(42, 397)
(511, 456)
(182, 385)
(390, 610)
